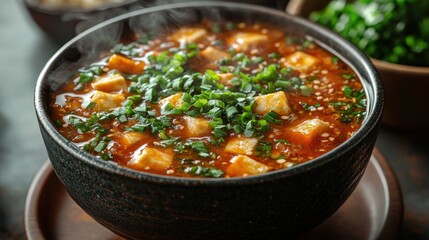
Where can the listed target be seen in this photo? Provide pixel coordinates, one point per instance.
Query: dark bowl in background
(62, 24)
(139, 205)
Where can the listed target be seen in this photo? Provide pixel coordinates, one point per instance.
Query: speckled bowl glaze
(138, 205)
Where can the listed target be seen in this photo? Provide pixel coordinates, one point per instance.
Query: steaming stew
(211, 100)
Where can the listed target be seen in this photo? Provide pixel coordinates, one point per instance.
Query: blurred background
(25, 48)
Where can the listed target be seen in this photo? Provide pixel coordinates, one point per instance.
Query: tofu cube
(300, 61)
(125, 65)
(110, 83)
(213, 55)
(245, 40)
(276, 102)
(106, 101)
(308, 130)
(196, 127)
(225, 78)
(243, 166)
(129, 139)
(151, 158)
(241, 145)
(188, 35)
(175, 100)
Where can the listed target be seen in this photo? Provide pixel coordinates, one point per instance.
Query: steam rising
(161, 22)
(167, 20)
(89, 48)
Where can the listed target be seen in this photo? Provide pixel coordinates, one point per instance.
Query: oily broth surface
(327, 102)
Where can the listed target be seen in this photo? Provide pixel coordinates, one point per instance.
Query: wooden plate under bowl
(373, 211)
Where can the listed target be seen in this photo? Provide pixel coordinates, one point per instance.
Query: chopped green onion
(263, 148)
(347, 76)
(306, 90)
(101, 146)
(204, 171)
(274, 55)
(283, 141)
(272, 117)
(91, 105)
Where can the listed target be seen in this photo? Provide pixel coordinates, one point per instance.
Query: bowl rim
(369, 124)
(32, 4)
(400, 68)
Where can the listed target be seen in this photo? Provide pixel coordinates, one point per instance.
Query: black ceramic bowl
(139, 205)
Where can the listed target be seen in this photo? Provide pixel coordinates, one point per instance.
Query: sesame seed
(170, 171)
(281, 161)
(277, 44)
(325, 135)
(323, 141)
(316, 82)
(254, 51)
(289, 164)
(317, 93)
(324, 71)
(271, 136)
(319, 97)
(331, 139)
(320, 108)
(147, 168)
(284, 117)
(241, 25)
(264, 31)
(322, 150)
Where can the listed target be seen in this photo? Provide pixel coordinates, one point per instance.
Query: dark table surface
(24, 50)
